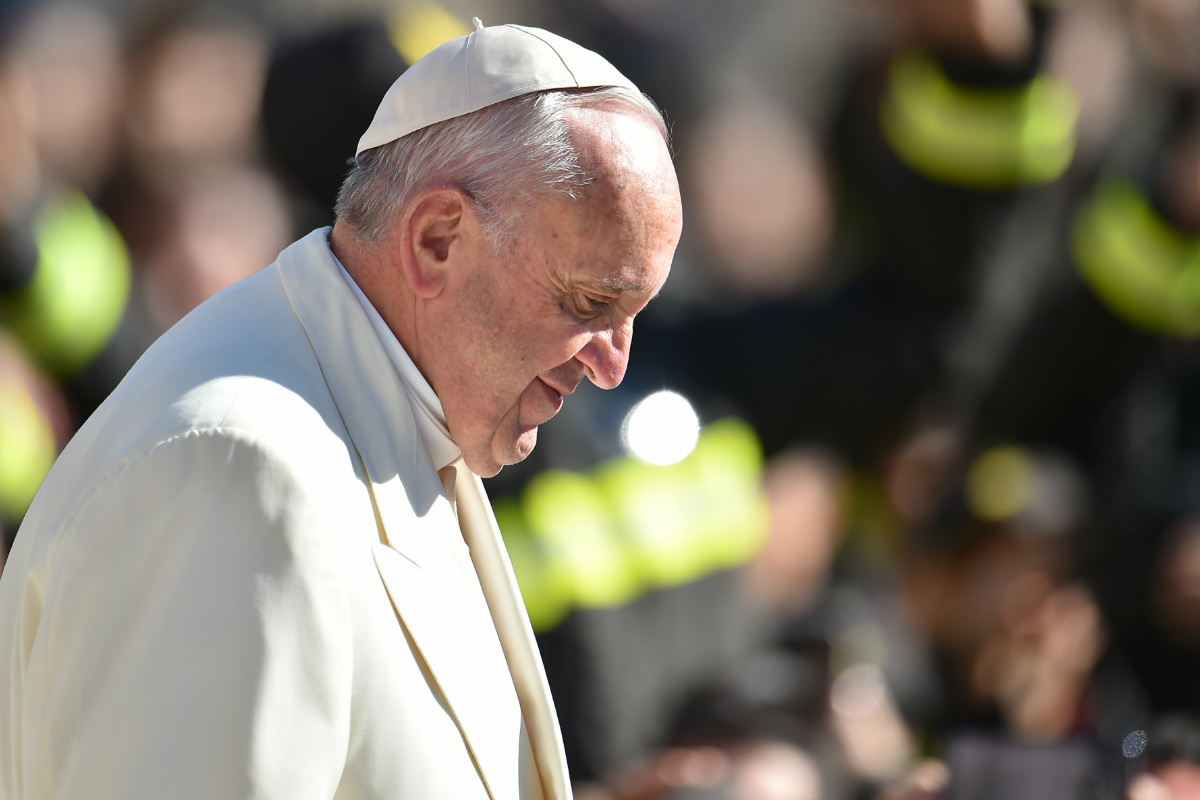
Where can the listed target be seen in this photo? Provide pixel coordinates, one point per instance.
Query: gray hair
(503, 157)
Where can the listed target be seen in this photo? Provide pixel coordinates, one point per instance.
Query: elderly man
(266, 566)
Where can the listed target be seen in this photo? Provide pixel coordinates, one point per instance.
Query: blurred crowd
(901, 495)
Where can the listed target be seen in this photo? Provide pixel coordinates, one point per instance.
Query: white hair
(503, 157)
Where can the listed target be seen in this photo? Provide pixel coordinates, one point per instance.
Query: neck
(381, 278)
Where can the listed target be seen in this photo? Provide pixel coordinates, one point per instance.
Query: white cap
(482, 68)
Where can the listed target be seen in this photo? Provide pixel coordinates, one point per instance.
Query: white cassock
(244, 578)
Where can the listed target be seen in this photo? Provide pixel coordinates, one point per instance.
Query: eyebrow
(622, 284)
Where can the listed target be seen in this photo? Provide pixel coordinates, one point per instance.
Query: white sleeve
(197, 642)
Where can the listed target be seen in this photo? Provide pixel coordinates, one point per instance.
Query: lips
(543, 399)
(553, 396)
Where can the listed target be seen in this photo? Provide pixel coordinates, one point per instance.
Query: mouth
(542, 400)
(561, 390)
(554, 396)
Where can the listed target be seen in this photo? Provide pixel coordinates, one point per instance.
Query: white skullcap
(482, 68)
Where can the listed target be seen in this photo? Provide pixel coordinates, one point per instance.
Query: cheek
(563, 346)
(547, 339)
(517, 333)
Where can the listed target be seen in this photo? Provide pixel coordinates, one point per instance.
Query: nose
(605, 357)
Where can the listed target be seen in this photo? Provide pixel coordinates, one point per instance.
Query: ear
(432, 239)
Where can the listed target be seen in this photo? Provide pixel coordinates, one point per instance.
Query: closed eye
(590, 307)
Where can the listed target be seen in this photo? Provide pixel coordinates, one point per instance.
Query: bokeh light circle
(661, 429)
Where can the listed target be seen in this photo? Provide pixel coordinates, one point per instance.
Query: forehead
(630, 211)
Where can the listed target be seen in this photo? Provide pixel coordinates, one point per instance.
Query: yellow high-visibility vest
(1141, 266)
(977, 138)
(600, 538)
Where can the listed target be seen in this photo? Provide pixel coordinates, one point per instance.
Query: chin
(525, 444)
(511, 452)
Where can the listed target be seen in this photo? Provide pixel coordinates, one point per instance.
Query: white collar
(432, 420)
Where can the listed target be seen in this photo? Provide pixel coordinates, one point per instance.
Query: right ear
(432, 239)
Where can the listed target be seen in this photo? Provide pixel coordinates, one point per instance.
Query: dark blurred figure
(1122, 299)
(322, 89)
(1052, 364)
(963, 212)
(321, 94)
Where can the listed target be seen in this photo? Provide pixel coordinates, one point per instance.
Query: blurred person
(1107, 301)
(196, 80)
(999, 30)
(1167, 30)
(806, 494)
(1018, 632)
(762, 200)
(247, 563)
(1036, 703)
(748, 88)
(219, 225)
(936, 231)
(1117, 302)
(937, 196)
(196, 83)
(196, 210)
(1092, 337)
(71, 55)
(963, 216)
(839, 625)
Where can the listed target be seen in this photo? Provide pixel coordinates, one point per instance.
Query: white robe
(243, 579)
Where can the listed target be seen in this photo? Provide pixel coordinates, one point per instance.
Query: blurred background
(900, 497)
